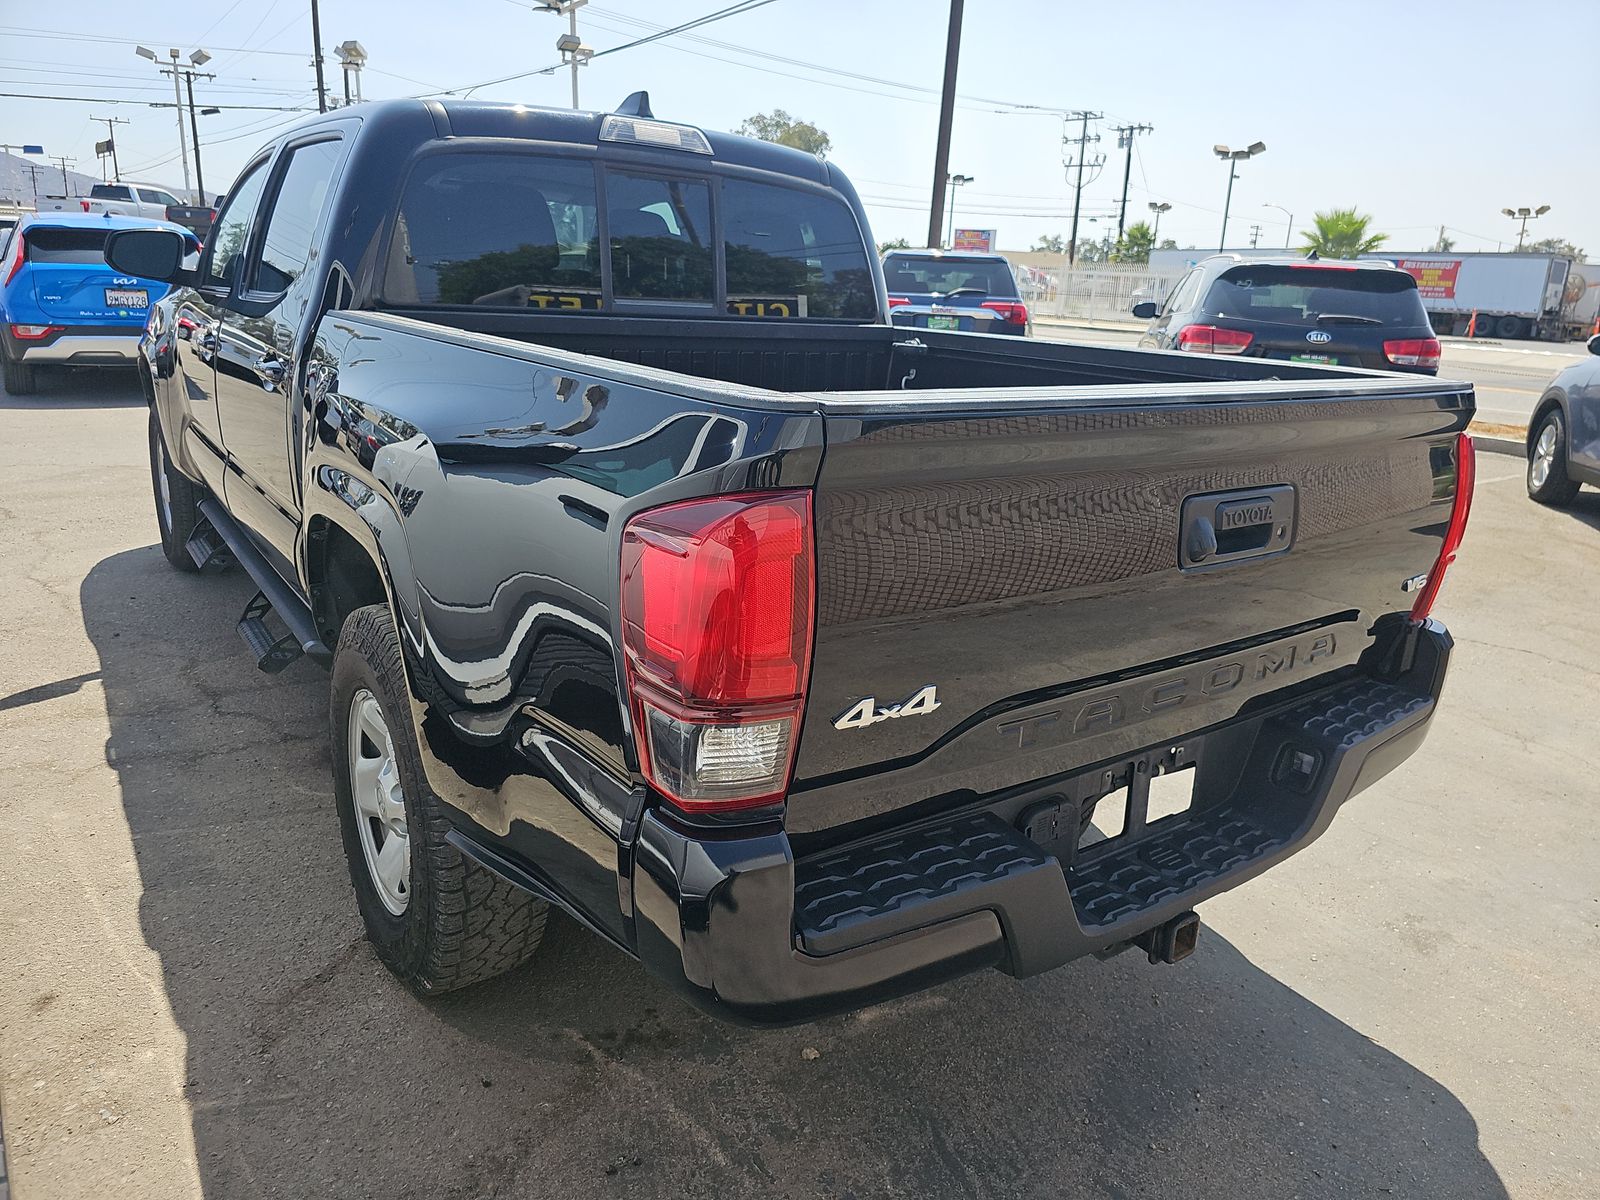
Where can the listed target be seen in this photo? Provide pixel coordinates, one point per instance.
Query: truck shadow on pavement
(311, 1073)
(81, 387)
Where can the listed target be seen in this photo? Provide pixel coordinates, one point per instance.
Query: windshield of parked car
(58, 244)
(907, 273)
(518, 230)
(1292, 295)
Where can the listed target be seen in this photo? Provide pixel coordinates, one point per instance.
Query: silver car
(1564, 435)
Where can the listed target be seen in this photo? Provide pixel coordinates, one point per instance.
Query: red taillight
(897, 301)
(1413, 352)
(1208, 339)
(1466, 473)
(717, 612)
(1010, 311)
(32, 333)
(18, 256)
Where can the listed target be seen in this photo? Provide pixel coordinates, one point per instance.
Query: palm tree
(1342, 233)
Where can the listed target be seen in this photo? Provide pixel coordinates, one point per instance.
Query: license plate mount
(1324, 360)
(938, 322)
(127, 298)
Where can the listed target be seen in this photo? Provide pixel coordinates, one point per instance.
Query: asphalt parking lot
(1406, 1009)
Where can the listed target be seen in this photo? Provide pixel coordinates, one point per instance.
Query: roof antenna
(636, 105)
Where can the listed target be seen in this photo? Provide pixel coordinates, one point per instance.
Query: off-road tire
(462, 924)
(1557, 487)
(21, 378)
(178, 511)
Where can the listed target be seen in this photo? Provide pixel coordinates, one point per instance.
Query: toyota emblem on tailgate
(1318, 335)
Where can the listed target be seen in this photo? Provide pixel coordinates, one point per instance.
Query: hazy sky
(1421, 114)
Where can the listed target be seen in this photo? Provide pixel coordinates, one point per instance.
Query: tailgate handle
(1224, 527)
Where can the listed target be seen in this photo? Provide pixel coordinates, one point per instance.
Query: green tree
(1050, 243)
(1135, 244)
(778, 126)
(1167, 244)
(893, 244)
(1554, 246)
(1443, 245)
(1342, 233)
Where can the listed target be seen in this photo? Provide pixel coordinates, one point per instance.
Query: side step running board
(272, 653)
(209, 551)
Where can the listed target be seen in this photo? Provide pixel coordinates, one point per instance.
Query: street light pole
(955, 182)
(1233, 158)
(1288, 214)
(1524, 215)
(1155, 234)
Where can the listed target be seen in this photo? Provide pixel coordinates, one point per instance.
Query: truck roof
(494, 119)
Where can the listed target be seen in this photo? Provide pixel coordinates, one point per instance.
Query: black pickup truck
(807, 659)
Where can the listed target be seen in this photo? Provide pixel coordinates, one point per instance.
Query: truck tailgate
(1022, 558)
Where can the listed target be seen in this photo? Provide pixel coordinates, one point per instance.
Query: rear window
(793, 254)
(1310, 296)
(50, 244)
(108, 191)
(927, 273)
(516, 230)
(497, 230)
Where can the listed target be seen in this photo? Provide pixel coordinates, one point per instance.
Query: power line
(149, 104)
(61, 36)
(732, 10)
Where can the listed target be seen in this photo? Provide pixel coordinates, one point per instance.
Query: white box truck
(1513, 295)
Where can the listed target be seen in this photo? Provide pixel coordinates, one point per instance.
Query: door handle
(271, 369)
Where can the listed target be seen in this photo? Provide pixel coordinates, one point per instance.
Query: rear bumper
(78, 345)
(748, 933)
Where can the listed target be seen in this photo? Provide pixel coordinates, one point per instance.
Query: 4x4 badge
(866, 712)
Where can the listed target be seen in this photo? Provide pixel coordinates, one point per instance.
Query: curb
(1499, 445)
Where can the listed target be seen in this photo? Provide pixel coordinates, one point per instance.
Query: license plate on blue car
(127, 298)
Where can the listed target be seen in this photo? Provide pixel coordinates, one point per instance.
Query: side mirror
(1594, 344)
(1145, 309)
(149, 254)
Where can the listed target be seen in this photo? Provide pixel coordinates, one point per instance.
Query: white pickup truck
(125, 199)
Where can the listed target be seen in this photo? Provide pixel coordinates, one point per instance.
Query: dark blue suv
(954, 289)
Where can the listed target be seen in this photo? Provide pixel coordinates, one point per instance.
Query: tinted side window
(793, 254)
(1183, 295)
(660, 232)
(515, 230)
(232, 227)
(296, 212)
(150, 197)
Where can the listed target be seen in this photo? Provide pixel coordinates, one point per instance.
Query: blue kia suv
(61, 305)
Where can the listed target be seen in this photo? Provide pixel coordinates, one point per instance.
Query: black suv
(954, 289)
(1365, 314)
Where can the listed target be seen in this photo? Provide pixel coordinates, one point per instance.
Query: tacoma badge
(866, 712)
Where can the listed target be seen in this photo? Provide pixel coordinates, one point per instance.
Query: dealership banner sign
(1436, 277)
(973, 239)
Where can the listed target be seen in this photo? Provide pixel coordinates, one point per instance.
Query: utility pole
(1255, 236)
(1125, 136)
(316, 57)
(947, 109)
(111, 137)
(33, 174)
(66, 188)
(194, 128)
(1082, 143)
